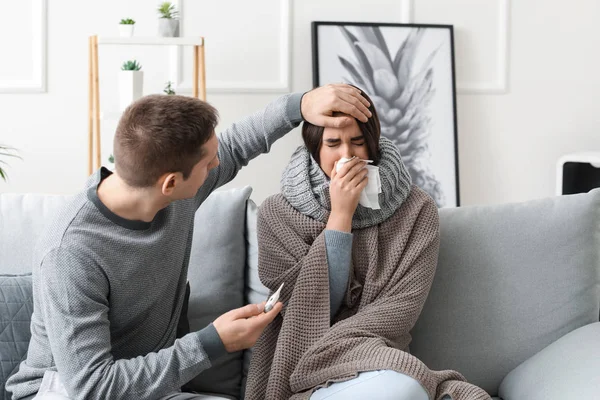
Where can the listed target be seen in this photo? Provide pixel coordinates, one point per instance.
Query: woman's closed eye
(337, 144)
(359, 141)
(332, 142)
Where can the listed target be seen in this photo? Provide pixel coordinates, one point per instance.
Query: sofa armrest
(568, 369)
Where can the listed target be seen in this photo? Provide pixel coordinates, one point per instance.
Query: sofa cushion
(216, 276)
(568, 369)
(22, 219)
(511, 279)
(255, 291)
(16, 307)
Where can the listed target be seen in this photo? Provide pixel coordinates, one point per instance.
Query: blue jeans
(374, 385)
(173, 396)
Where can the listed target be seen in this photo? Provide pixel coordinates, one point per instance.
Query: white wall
(508, 142)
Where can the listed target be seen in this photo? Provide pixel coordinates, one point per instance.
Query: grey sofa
(514, 306)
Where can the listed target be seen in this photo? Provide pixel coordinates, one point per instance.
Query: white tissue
(370, 195)
(52, 387)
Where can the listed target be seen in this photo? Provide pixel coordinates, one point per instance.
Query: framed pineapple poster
(408, 72)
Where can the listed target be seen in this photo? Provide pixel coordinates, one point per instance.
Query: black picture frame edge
(315, 58)
(455, 106)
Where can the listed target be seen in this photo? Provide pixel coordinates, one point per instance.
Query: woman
(355, 278)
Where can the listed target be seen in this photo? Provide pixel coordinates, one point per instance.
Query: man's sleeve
(251, 137)
(75, 308)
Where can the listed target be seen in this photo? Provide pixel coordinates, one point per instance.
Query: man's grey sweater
(108, 292)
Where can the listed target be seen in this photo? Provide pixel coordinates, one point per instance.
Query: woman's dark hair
(371, 130)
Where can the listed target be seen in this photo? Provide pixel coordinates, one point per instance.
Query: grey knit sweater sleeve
(339, 256)
(75, 304)
(250, 137)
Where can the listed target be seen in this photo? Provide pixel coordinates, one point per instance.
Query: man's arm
(75, 310)
(255, 134)
(251, 137)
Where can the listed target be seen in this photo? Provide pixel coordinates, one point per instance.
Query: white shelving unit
(198, 81)
(154, 41)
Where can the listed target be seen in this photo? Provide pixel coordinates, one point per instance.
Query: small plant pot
(126, 30)
(131, 86)
(168, 27)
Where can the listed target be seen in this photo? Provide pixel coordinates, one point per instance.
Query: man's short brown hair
(159, 134)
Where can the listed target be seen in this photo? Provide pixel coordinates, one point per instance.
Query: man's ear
(168, 184)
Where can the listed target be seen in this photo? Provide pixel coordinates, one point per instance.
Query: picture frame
(408, 71)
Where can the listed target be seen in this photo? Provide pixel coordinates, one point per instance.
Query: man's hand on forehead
(335, 106)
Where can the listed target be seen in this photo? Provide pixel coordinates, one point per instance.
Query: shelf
(96, 114)
(150, 40)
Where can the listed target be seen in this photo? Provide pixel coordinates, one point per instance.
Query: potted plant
(168, 89)
(168, 23)
(5, 151)
(126, 27)
(131, 83)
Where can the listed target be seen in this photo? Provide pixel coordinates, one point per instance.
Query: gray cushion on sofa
(511, 279)
(22, 219)
(216, 276)
(568, 369)
(16, 307)
(256, 292)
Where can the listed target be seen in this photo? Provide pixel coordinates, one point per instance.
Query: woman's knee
(376, 385)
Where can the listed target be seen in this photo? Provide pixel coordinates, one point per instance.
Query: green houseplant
(126, 27)
(131, 65)
(169, 89)
(5, 151)
(168, 24)
(131, 83)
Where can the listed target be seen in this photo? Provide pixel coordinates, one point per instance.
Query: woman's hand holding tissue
(348, 179)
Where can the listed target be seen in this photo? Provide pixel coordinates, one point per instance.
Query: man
(109, 275)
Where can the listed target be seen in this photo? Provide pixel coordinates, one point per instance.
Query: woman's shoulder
(276, 207)
(418, 205)
(421, 198)
(274, 203)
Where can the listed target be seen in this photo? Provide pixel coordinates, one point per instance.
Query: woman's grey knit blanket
(393, 269)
